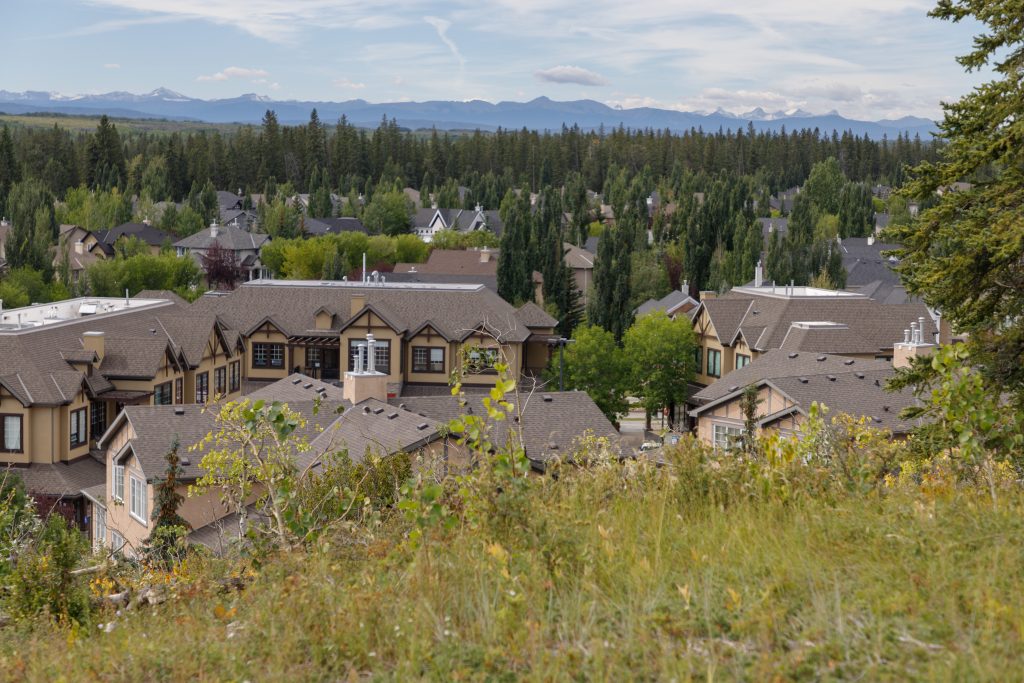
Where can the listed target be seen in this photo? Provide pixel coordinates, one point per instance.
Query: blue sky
(867, 59)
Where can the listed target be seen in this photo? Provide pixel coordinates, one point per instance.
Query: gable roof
(333, 226)
(60, 479)
(577, 257)
(456, 262)
(670, 304)
(552, 423)
(298, 387)
(453, 309)
(532, 315)
(153, 236)
(373, 427)
(229, 237)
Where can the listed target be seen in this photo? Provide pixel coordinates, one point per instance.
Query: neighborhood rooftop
(70, 310)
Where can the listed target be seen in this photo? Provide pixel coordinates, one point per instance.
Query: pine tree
(9, 171)
(168, 525)
(105, 165)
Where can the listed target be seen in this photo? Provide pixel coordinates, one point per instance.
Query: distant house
(76, 245)
(883, 192)
(428, 222)
(788, 383)
(582, 263)
(244, 245)
(783, 201)
(871, 273)
(153, 237)
(5, 230)
(332, 226)
(675, 303)
(458, 266)
(770, 226)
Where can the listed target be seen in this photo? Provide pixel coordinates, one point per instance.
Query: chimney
(685, 287)
(358, 301)
(145, 221)
(93, 341)
(364, 382)
(758, 275)
(479, 208)
(485, 255)
(912, 346)
(433, 205)
(214, 229)
(79, 247)
(871, 240)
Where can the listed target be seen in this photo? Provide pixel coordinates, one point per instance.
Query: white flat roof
(787, 292)
(69, 310)
(349, 284)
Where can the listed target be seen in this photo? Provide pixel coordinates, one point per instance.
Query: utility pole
(561, 342)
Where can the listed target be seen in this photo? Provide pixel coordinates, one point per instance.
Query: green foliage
(33, 226)
(660, 351)
(166, 542)
(515, 269)
(964, 255)
(42, 581)
(143, 271)
(594, 363)
(94, 210)
(18, 522)
(824, 185)
(453, 239)
(388, 213)
(23, 286)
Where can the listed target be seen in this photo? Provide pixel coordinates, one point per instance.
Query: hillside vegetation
(842, 558)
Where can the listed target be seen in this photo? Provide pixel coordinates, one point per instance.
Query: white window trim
(117, 492)
(727, 428)
(117, 541)
(131, 502)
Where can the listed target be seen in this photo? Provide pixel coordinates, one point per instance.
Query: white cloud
(111, 66)
(346, 83)
(258, 75)
(570, 74)
(442, 26)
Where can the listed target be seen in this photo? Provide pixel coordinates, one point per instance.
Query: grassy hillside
(87, 124)
(705, 569)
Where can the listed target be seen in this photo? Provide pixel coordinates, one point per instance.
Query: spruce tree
(168, 526)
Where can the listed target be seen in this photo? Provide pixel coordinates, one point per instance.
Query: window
(220, 381)
(381, 355)
(714, 363)
(313, 356)
(137, 501)
(116, 541)
(235, 376)
(726, 436)
(267, 355)
(79, 427)
(483, 360)
(202, 387)
(11, 433)
(179, 391)
(698, 356)
(99, 419)
(117, 489)
(428, 359)
(162, 394)
(742, 360)
(100, 535)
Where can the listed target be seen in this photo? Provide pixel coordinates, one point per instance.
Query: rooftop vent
(876, 419)
(733, 388)
(793, 354)
(392, 416)
(822, 359)
(831, 378)
(378, 411)
(402, 406)
(179, 410)
(421, 426)
(307, 385)
(859, 375)
(185, 462)
(553, 446)
(548, 398)
(296, 380)
(366, 410)
(878, 383)
(848, 361)
(803, 380)
(885, 409)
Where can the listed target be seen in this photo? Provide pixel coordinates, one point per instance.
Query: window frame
(158, 391)
(267, 350)
(427, 368)
(717, 356)
(99, 516)
(117, 483)
(202, 387)
(220, 380)
(117, 541)
(97, 412)
(179, 390)
(698, 356)
(78, 425)
(3, 433)
(746, 361)
(234, 376)
(138, 485)
(730, 432)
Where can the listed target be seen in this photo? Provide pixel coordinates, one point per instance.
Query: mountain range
(537, 114)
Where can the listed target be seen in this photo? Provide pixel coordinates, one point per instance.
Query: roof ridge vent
(803, 380)
(421, 426)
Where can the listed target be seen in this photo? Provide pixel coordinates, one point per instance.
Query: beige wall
(118, 516)
(269, 335)
(46, 431)
(429, 337)
(368, 323)
(731, 413)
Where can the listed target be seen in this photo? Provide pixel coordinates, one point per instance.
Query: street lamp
(561, 342)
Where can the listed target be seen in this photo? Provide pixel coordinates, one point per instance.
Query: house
(68, 368)
(332, 226)
(582, 263)
(677, 302)
(5, 231)
(746, 322)
(789, 383)
(76, 248)
(424, 331)
(460, 266)
(783, 201)
(870, 271)
(428, 222)
(770, 226)
(244, 246)
(153, 237)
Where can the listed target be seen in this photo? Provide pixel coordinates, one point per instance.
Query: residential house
(582, 263)
(428, 222)
(789, 383)
(75, 249)
(746, 322)
(675, 303)
(783, 201)
(244, 246)
(332, 226)
(871, 272)
(66, 369)
(460, 266)
(424, 331)
(770, 226)
(151, 236)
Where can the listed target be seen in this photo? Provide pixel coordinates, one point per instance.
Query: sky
(866, 59)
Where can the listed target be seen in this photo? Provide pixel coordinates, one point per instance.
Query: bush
(42, 581)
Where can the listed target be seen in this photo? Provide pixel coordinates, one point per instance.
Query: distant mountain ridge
(541, 113)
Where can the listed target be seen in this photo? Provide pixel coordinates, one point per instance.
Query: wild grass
(612, 573)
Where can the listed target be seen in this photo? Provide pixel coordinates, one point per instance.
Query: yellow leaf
(497, 552)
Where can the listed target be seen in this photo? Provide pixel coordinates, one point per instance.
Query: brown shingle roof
(63, 479)
(532, 315)
(297, 387)
(456, 262)
(376, 428)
